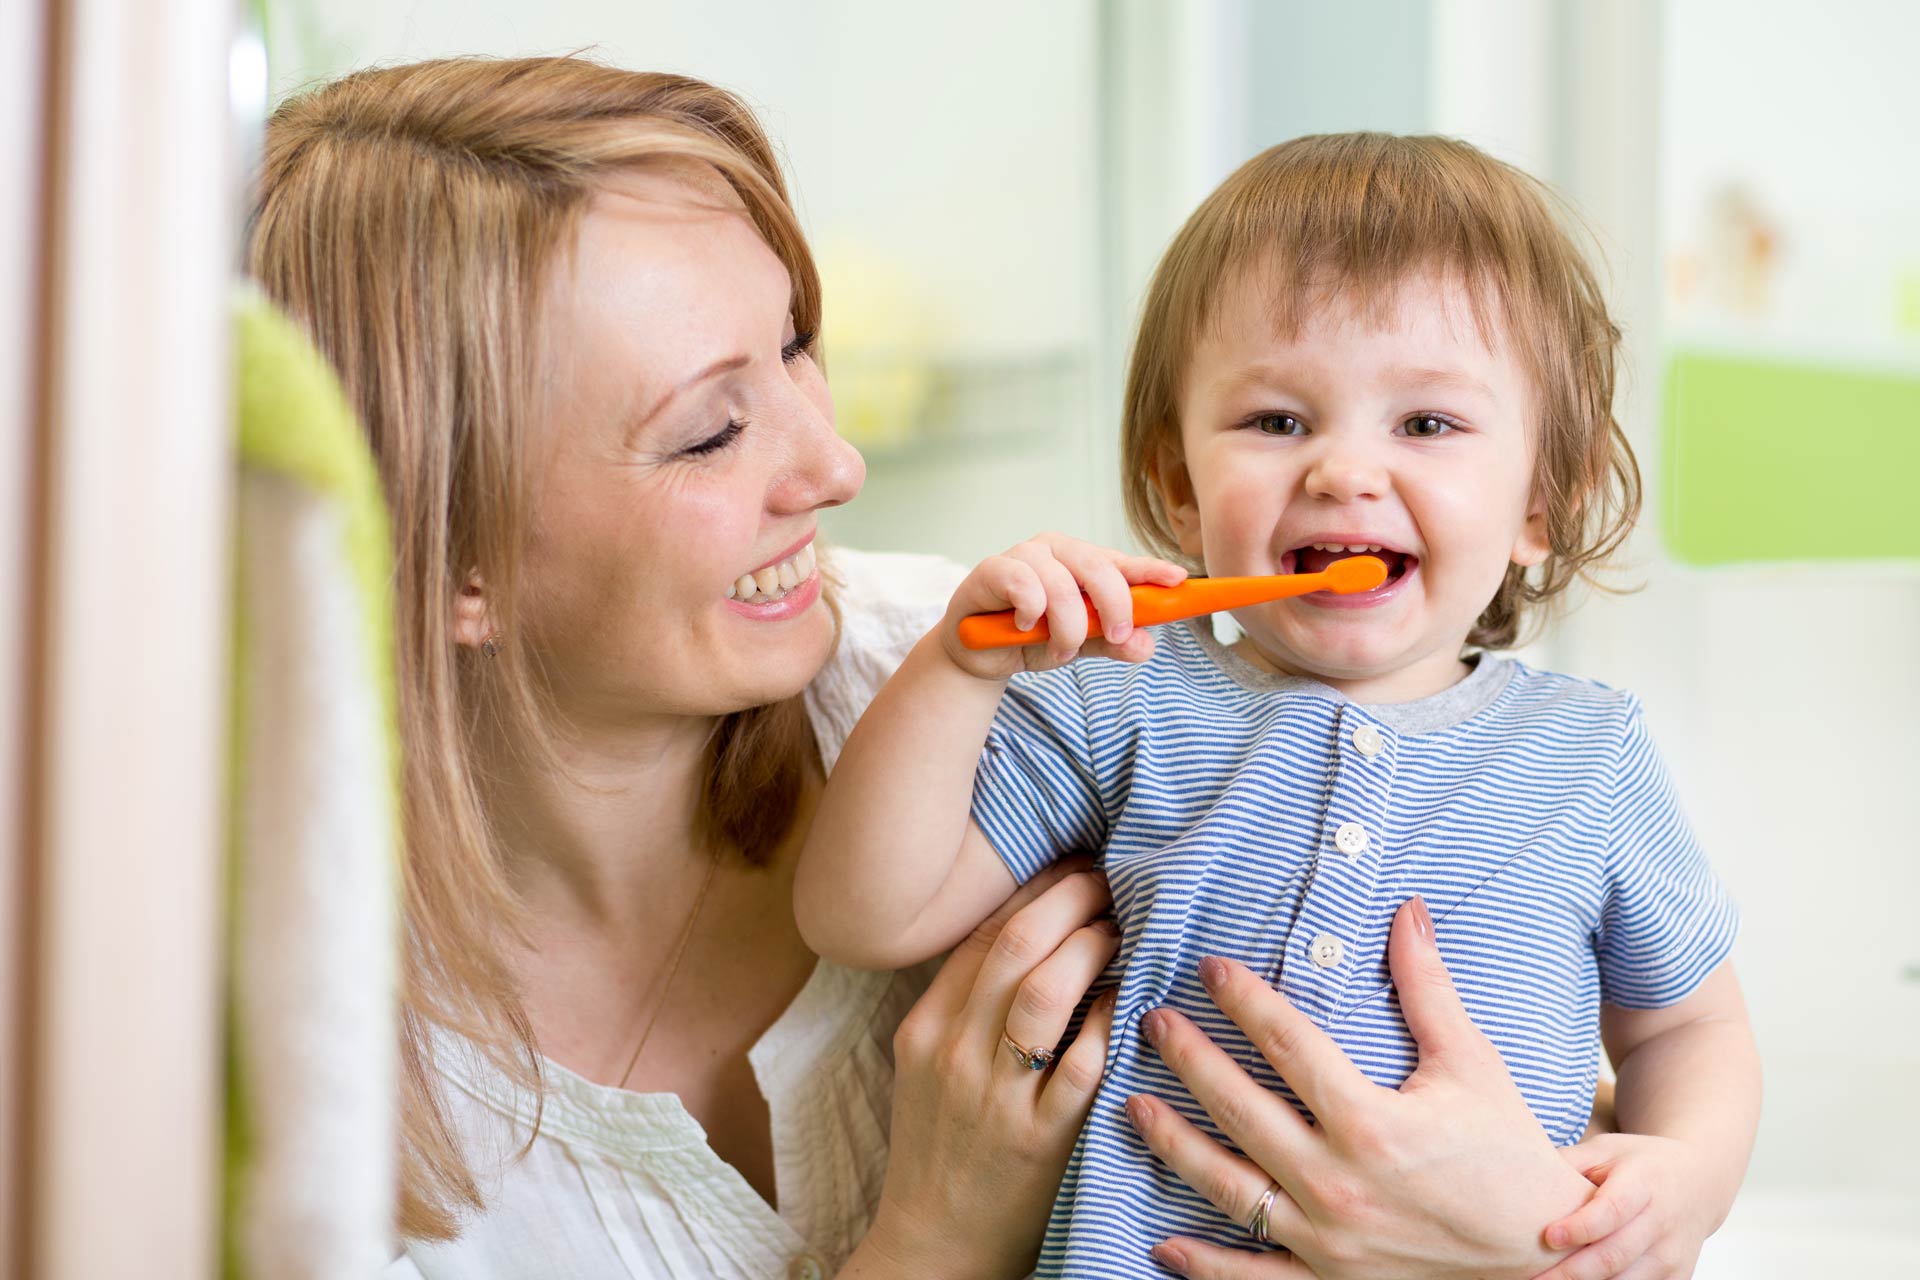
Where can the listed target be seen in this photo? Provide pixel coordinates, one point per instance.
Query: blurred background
(987, 187)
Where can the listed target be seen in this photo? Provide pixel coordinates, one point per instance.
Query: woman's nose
(823, 470)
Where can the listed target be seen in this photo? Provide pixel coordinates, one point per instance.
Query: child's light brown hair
(1361, 213)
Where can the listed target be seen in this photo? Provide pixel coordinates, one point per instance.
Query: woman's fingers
(1186, 1257)
(1442, 1029)
(1070, 1087)
(1232, 1184)
(1048, 995)
(1261, 1123)
(1306, 1057)
(1023, 942)
(951, 988)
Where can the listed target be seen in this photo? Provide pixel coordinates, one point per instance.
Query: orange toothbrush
(1190, 599)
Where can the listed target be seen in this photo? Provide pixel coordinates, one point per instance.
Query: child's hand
(1644, 1222)
(1043, 577)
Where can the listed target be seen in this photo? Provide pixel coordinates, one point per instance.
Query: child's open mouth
(1314, 557)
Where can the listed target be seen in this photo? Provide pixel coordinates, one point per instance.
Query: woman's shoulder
(888, 600)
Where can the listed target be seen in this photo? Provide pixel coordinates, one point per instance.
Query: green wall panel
(1768, 459)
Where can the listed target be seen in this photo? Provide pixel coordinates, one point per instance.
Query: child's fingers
(1099, 575)
(1002, 582)
(1592, 1158)
(1612, 1207)
(1137, 647)
(1610, 1256)
(1066, 609)
(1146, 569)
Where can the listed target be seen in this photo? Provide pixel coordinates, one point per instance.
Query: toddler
(1359, 344)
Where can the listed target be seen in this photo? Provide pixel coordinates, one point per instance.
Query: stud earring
(491, 645)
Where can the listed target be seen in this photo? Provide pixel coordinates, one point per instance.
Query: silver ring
(1257, 1224)
(1031, 1059)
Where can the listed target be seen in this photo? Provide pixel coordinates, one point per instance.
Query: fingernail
(1153, 1026)
(1213, 972)
(1170, 1258)
(1422, 919)
(1137, 1114)
(1107, 999)
(1556, 1237)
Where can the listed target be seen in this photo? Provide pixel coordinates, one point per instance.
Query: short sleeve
(1036, 794)
(1667, 921)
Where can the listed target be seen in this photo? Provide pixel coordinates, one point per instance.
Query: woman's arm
(979, 1141)
(1449, 1176)
(1688, 1104)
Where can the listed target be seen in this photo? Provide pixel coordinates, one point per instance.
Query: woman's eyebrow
(714, 370)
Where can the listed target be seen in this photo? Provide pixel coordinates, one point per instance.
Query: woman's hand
(979, 1141)
(1044, 577)
(1448, 1176)
(1643, 1223)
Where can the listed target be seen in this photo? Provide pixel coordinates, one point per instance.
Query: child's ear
(1170, 477)
(471, 621)
(1533, 544)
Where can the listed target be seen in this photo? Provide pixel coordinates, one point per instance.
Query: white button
(804, 1267)
(1325, 951)
(1350, 839)
(1368, 740)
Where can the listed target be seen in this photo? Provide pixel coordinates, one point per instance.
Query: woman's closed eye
(800, 345)
(717, 441)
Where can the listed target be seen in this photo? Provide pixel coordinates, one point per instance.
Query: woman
(576, 314)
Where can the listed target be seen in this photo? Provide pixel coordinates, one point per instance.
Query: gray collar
(1437, 711)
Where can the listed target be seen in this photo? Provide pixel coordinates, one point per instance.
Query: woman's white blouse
(624, 1184)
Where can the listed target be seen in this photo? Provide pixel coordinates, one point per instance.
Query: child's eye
(1278, 424)
(1425, 426)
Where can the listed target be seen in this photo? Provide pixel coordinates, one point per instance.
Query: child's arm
(1688, 1101)
(893, 870)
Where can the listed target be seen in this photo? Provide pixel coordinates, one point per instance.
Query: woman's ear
(472, 626)
(1175, 485)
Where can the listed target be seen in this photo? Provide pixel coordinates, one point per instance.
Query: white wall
(1787, 698)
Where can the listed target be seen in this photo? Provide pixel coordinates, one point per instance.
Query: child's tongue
(1313, 560)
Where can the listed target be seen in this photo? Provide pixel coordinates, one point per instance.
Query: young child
(1358, 344)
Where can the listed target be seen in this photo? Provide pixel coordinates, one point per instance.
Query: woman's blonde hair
(408, 217)
(1360, 213)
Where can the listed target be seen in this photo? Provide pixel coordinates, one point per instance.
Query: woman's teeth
(764, 586)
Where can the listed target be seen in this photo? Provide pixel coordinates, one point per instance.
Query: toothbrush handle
(1151, 604)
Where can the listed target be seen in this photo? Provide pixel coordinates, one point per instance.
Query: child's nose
(1346, 473)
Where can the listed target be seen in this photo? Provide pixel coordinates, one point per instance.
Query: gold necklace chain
(673, 969)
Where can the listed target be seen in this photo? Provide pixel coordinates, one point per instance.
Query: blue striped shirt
(1269, 819)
